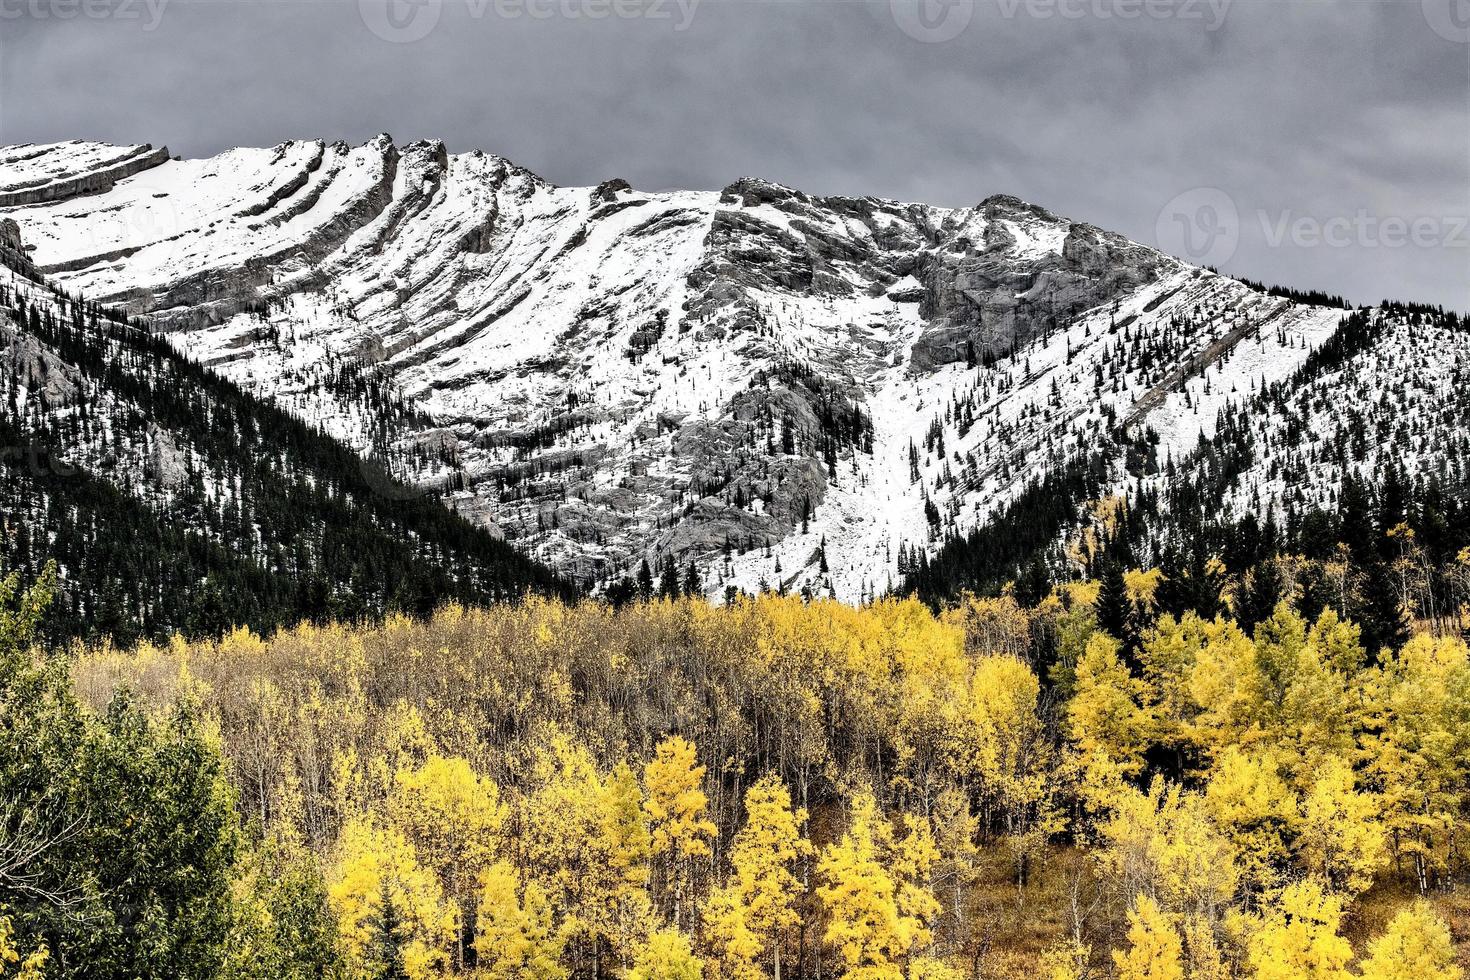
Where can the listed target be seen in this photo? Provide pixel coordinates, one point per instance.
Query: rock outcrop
(774, 386)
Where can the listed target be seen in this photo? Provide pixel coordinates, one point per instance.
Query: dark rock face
(10, 235)
(994, 301)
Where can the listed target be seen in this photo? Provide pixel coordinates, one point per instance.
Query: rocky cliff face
(779, 388)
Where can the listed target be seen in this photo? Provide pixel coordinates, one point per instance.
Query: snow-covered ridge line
(35, 177)
(776, 387)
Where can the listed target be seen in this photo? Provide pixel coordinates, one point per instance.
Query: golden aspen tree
(584, 840)
(1317, 715)
(1339, 837)
(1155, 951)
(1005, 749)
(1203, 957)
(932, 968)
(1338, 643)
(1226, 687)
(454, 819)
(955, 833)
(514, 934)
(1106, 722)
(1418, 736)
(18, 965)
(746, 919)
(1067, 959)
(992, 625)
(1164, 844)
(1415, 946)
(666, 955)
(1251, 803)
(679, 829)
(874, 917)
(1297, 938)
(377, 875)
(1279, 641)
(624, 910)
(1169, 652)
(912, 860)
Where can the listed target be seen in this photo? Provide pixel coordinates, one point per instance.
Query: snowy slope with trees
(751, 387)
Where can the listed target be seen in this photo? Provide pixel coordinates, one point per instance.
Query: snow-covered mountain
(172, 501)
(785, 390)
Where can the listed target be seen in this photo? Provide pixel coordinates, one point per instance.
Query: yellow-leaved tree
(391, 912)
(585, 841)
(875, 891)
(1163, 844)
(747, 918)
(514, 933)
(1417, 741)
(1297, 937)
(1415, 946)
(680, 832)
(15, 964)
(454, 819)
(1251, 803)
(1006, 755)
(1340, 838)
(666, 955)
(955, 832)
(1155, 951)
(1108, 725)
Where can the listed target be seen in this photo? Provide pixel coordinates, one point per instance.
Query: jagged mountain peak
(768, 384)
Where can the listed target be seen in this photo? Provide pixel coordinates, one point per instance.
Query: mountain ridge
(780, 389)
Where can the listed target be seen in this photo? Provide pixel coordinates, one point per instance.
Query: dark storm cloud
(1302, 113)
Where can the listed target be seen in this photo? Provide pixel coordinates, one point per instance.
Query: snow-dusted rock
(743, 379)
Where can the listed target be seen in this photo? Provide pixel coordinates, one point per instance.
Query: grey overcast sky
(1314, 143)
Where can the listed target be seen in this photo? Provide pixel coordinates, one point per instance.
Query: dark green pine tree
(668, 585)
(1115, 612)
(385, 954)
(1261, 590)
(1189, 586)
(692, 586)
(645, 580)
(1034, 582)
(1379, 613)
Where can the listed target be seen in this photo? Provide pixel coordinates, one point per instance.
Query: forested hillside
(1362, 453)
(173, 501)
(1089, 780)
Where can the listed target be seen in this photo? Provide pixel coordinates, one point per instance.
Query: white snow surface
(583, 366)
